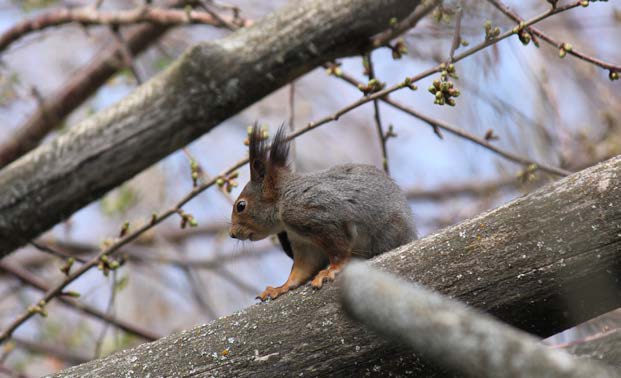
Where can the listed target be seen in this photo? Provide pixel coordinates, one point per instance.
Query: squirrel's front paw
(272, 292)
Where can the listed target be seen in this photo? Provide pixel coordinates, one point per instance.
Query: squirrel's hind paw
(325, 275)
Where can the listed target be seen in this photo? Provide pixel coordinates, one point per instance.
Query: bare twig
(34, 281)
(50, 350)
(109, 312)
(49, 250)
(378, 120)
(457, 34)
(128, 58)
(537, 32)
(474, 188)
(405, 25)
(91, 16)
(464, 134)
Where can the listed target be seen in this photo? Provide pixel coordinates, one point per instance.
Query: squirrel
(323, 218)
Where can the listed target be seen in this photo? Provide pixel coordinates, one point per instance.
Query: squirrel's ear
(258, 154)
(279, 152)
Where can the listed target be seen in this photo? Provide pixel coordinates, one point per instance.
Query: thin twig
(537, 32)
(230, 24)
(406, 24)
(383, 137)
(91, 16)
(51, 251)
(35, 282)
(50, 350)
(463, 134)
(292, 121)
(128, 58)
(109, 312)
(457, 34)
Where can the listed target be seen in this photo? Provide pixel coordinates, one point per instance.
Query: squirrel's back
(361, 198)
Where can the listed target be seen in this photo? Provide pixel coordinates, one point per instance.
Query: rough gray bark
(448, 332)
(542, 263)
(210, 83)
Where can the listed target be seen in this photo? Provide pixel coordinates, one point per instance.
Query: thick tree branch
(453, 335)
(542, 263)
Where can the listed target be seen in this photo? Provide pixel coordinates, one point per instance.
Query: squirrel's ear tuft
(257, 154)
(279, 151)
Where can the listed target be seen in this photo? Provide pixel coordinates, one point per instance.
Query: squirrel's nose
(231, 234)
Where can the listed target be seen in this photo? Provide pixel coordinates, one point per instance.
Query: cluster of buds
(65, 269)
(443, 89)
(372, 86)
(564, 49)
(186, 219)
(399, 49)
(528, 173)
(228, 183)
(195, 169)
(39, 308)
(334, 69)
(106, 265)
(408, 83)
(523, 34)
(442, 14)
(491, 32)
(613, 75)
(263, 130)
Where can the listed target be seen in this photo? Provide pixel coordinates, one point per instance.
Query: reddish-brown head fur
(254, 214)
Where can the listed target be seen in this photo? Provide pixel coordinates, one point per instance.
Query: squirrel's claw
(272, 292)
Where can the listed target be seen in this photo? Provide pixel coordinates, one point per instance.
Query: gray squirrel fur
(325, 217)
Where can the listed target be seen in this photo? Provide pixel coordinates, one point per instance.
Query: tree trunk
(210, 83)
(543, 263)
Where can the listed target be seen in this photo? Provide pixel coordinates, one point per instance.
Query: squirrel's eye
(241, 205)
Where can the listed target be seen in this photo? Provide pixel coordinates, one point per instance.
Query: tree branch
(453, 335)
(33, 281)
(91, 16)
(543, 263)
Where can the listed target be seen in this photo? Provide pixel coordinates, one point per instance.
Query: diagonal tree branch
(526, 263)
